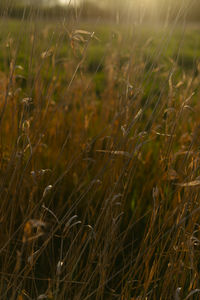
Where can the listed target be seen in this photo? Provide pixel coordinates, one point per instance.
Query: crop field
(99, 160)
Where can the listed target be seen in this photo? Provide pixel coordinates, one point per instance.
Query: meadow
(99, 154)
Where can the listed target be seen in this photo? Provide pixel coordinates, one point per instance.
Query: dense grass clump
(99, 153)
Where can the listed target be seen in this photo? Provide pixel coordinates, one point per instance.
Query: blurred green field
(154, 47)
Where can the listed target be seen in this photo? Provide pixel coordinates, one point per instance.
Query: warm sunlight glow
(141, 2)
(66, 2)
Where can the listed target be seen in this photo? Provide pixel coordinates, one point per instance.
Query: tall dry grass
(99, 191)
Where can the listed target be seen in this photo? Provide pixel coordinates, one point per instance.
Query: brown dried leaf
(179, 84)
(47, 53)
(84, 32)
(80, 31)
(177, 293)
(29, 229)
(78, 38)
(192, 293)
(138, 114)
(190, 184)
(122, 153)
(172, 174)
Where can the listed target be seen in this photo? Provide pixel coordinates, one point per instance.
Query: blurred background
(112, 10)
